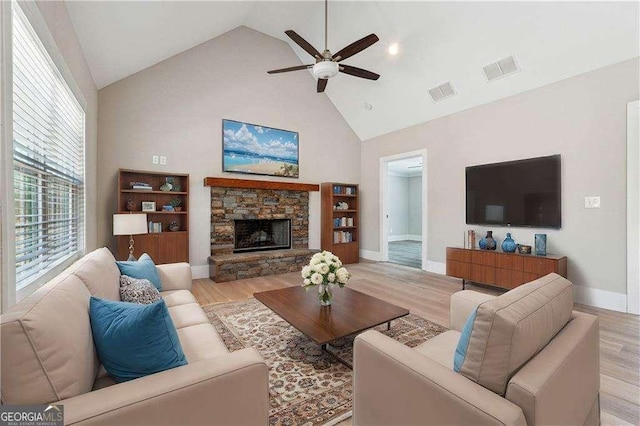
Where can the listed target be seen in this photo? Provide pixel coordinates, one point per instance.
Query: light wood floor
(428, 295)
(406, 252)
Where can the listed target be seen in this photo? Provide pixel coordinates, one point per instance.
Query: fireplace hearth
(262, 234)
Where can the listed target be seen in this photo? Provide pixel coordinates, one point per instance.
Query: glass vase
(508, 245)
(324, 294)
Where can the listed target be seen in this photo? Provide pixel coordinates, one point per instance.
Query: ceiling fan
(327, 65)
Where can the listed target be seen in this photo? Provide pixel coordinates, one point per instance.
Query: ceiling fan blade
(299, 67)
(359, 72)
(355, 47)
(304, 44)
(322, 83)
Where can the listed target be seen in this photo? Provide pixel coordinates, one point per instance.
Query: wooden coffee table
(350, 312)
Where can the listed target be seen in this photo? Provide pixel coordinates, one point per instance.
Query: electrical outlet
(154, 159)
(163, 160)
(592, 202)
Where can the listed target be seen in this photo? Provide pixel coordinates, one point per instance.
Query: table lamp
(130, 224)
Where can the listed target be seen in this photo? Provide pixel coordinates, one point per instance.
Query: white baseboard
(200, 271)
(600, 298)
(371, 255)
(437, 267)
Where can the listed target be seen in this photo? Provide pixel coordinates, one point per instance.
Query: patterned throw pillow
(139, 291)
(141, 268)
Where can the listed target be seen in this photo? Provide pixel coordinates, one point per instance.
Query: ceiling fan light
(325, 69)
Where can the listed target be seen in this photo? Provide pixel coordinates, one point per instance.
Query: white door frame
(384, 208)
(633, 207)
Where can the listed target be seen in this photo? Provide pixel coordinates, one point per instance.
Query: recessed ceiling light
(393, 49)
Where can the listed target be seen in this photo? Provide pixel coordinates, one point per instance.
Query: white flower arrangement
(324, 268)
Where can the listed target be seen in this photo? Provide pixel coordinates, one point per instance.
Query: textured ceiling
(439, 42)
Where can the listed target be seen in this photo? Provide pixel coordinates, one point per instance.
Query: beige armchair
(559, 384)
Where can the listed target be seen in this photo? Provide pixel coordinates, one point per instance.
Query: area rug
(306, 386)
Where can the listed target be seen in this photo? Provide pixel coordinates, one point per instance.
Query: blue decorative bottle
(508, 245)
(487, 243)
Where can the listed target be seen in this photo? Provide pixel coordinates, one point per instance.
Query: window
(48, 159)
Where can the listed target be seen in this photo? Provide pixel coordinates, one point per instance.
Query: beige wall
(175, 108)
(57, 18)
(582, 118)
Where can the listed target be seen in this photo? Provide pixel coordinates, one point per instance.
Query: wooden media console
(505, 270)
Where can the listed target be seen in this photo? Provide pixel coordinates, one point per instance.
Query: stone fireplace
(258, 228)
(261, 234)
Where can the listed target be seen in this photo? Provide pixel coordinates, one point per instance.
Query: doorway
(633, 207)
(403, 234)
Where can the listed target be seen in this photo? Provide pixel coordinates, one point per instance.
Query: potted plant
(176, 203)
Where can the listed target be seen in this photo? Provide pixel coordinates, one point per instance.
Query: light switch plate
(592, 202)
(163, 160)
(154, 159)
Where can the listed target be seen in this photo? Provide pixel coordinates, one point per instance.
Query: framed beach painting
(259, 150)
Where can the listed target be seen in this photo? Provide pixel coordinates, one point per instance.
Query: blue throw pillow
(463, 343)
(143, 268)
(134, 340)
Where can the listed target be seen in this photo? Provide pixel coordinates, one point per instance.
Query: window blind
(48, 159)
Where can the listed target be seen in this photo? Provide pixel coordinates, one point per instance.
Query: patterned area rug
(306, 386)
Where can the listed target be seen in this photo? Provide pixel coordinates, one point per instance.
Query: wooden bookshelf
(166, 246)
(340, 226)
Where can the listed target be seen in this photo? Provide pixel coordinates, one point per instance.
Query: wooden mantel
(259, 184)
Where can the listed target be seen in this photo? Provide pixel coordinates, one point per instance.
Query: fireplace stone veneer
(230, 204)
(257, 200)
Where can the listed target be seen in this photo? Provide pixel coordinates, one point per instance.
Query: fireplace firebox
(262, 234)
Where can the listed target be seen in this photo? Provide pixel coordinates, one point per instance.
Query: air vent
(441, 92)
(503, 67)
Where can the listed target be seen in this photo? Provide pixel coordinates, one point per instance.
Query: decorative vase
(488, 243)
(130, 205)
(324, 294)
(508, 245)
(541, 244)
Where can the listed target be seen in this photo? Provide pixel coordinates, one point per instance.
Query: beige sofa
(558, 384)
(48, 356)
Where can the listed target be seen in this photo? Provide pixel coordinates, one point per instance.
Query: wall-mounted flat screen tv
(515, 193)
(259, 150)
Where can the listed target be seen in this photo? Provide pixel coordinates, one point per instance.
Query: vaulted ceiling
(438, 42)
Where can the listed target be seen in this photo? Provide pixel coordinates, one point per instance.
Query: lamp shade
(129, 224)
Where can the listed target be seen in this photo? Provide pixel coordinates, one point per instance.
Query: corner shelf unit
(166, 246)
(340, 226)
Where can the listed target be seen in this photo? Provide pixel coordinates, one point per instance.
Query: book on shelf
(344, 190)
(342, 237)
(141, 185)
(341, 222)
(155, 227)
